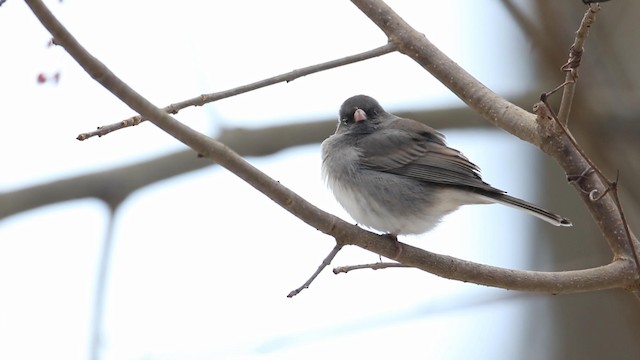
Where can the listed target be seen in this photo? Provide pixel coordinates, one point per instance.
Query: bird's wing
(412, 149)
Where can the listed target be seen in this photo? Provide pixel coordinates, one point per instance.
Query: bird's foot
(397, 244)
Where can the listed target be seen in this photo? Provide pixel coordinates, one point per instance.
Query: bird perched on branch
(398, 176)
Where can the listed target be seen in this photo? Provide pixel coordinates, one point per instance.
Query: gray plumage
(398, 175)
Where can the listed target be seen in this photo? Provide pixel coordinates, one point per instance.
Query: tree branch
(415, 45)
(372, 266)
(571, 67)
(588, 180)
(207, 98)
(327, 260)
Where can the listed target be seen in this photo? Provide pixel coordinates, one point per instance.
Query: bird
(398, 176)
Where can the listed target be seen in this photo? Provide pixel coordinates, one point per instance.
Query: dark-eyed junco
(398, 176)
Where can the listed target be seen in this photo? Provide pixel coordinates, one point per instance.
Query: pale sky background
(202, 263)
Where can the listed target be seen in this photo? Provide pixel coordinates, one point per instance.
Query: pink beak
(359, 115)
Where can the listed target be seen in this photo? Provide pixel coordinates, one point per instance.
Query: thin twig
(326, 262)
(373, 266)
(571, 66)
(207, 98)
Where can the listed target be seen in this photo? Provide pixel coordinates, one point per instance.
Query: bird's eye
(344, 121)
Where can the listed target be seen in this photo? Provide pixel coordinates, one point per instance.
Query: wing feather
(415, 150)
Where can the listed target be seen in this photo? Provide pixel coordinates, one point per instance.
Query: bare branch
(415, 45)
(592, 184)
(619, 273)
(326, 262)
(587, 178)
(571, 67)
(207, 98)
(373, 266)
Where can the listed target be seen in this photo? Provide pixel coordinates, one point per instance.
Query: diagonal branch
(326, 262)
(415, 45)
(617, 274)
(207, 98)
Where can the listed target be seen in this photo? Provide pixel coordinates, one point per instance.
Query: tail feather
(529, 208)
